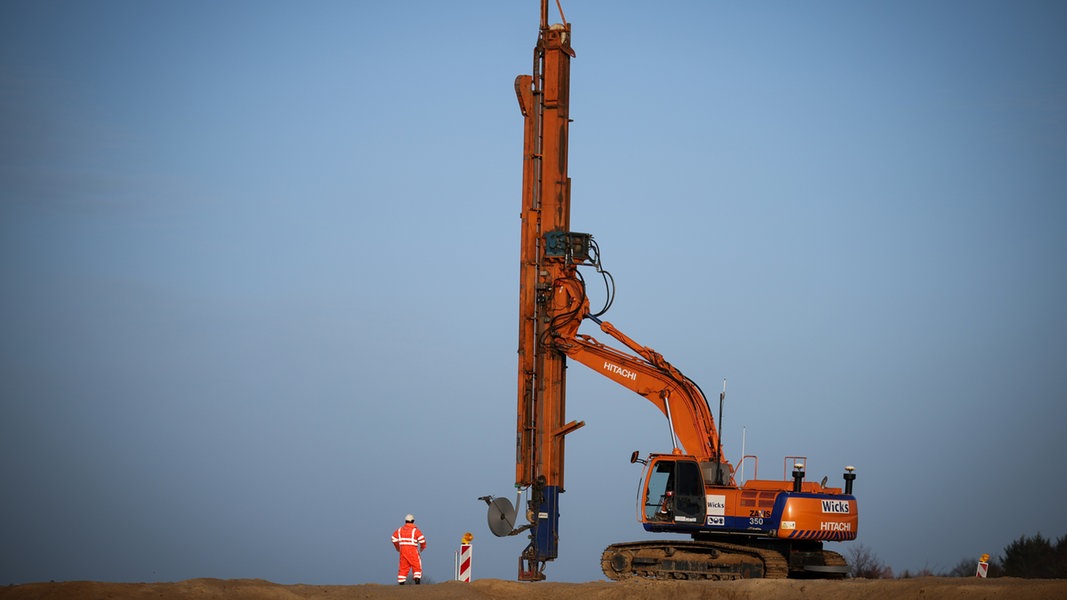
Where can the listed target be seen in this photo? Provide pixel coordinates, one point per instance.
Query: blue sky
(260, 264)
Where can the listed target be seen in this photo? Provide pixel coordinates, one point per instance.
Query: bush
(864, 563)
(923, 572)
(1036, 558)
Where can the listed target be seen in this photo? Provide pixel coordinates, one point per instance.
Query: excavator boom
(651, 376)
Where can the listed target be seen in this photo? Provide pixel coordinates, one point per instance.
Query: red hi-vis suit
(409, 541)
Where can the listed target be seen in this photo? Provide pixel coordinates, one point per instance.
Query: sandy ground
(925, 588)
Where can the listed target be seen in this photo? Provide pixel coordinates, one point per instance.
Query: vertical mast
(544, 99)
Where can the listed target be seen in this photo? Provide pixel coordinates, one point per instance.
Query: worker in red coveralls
(409, 541)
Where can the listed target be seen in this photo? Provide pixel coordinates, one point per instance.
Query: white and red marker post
(463, 559)
(983, 566)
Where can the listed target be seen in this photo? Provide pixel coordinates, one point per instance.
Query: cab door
(674, 492)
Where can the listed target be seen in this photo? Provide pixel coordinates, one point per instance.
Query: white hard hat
(409, 518)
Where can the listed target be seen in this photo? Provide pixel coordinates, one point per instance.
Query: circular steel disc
(501, 517)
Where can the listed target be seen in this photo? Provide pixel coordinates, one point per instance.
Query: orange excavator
(758, 528)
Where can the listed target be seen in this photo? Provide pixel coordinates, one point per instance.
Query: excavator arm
(651, 376)
(644, 372)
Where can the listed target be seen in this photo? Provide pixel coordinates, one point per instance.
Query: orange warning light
(984, 558)
(467, 537)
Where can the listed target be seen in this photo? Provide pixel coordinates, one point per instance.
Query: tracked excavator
(758, 528)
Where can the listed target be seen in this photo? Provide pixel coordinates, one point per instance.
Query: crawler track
(683, 559)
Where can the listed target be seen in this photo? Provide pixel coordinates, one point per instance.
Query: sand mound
(926, 588)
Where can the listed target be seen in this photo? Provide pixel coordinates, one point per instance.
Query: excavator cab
(673, 493)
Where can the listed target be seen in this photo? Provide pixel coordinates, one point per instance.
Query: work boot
(417, 581)
(400, 583)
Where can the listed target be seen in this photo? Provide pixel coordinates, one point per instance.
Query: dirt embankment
(925, 588)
